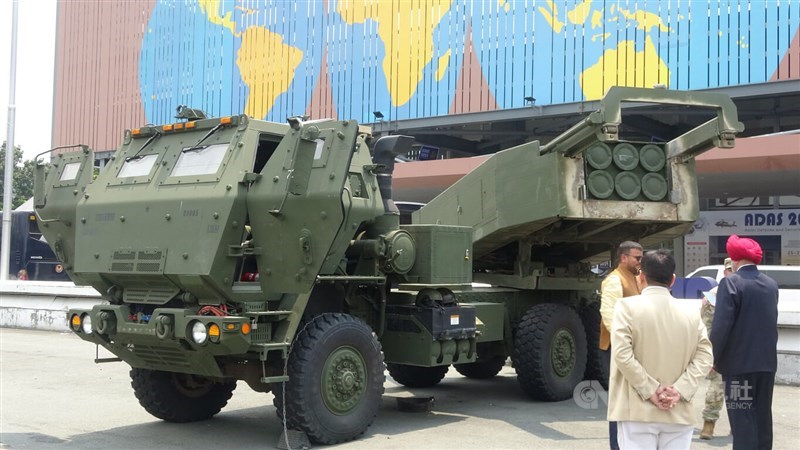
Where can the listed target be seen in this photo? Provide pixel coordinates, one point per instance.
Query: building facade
(411, 66)
(130, 63)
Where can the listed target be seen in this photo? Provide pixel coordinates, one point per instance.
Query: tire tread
(417, 376)
(531, 351)
(299, 392)
(482, 369)
(157, 395)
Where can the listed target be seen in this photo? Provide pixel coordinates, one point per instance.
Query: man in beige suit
(660, 355)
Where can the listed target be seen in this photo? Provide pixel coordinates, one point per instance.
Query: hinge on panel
(249, 177)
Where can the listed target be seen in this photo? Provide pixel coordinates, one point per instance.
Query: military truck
(236, 249)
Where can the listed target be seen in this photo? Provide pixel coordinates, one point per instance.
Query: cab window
(267, 143)
(203, 160)
(138, 166)
(70, 171)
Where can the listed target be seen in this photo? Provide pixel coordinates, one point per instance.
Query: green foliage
(22, 183)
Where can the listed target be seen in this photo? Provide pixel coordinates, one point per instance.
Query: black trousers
(612, 426)
(748, 398)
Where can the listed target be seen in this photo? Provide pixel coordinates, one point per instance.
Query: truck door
(58, 188)
(296, 209)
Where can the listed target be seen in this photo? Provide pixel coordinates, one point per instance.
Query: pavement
(52, 395)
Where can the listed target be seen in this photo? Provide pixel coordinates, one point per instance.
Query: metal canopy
(763, 108)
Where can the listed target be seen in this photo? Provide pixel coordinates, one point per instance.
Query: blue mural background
(415, 59)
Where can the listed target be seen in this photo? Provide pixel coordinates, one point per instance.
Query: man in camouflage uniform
(715, 395)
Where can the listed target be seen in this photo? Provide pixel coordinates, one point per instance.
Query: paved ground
(53, 396)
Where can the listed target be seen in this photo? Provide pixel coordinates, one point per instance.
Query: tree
(22, 182)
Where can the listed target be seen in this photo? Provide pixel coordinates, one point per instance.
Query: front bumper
(164, 342)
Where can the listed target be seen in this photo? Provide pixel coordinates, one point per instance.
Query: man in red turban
(745, 340)
(744, 249)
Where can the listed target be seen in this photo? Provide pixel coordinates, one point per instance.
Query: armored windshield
(203, 160)
(137, 166)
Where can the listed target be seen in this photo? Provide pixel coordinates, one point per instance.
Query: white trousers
(653, 435)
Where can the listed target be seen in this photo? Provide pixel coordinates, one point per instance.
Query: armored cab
(171, 212)
(236, 249)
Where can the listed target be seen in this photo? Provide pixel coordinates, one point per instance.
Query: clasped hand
(665, 397)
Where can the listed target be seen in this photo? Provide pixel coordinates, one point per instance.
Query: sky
(35, 67)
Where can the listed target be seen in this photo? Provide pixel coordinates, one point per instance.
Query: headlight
(199, 333)
(86, 324)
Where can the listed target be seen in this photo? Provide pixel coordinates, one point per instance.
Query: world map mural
(412, 59)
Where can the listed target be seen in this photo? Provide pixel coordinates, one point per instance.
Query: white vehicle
(787, 277)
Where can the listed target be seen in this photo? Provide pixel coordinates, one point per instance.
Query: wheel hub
(343, 380)
(562, 353)
(191, 385)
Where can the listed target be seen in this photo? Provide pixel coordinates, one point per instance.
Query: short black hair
(658, 267)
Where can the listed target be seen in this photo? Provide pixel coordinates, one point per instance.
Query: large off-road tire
(597, 368)
(335, 379)
(550, 352)
(482, 369)
(416, 376)
(179, 397)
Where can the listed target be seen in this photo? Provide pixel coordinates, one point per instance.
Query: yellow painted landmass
(504, 4)
(248, 11)
(211, 9)
(551, 16)
(441, 69)
(602, 36)
(406, 29)
(644, 20)
(624, 66)
(597, 19)
(267, 65)
(581, 11)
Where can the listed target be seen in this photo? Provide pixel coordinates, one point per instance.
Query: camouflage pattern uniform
(715, 395)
